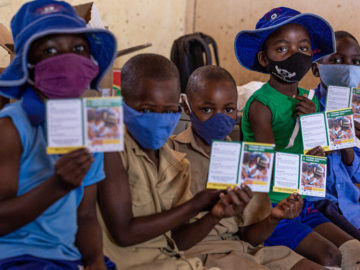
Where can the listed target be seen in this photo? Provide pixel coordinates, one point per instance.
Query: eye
(206, 110)
(282, 49)
(336, 60)
(304, 49)
(356, 62)
(229, 110)
(50, 51)
(145, 110)
(79, 48)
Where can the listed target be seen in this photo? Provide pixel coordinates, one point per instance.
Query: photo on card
(313, 176)
(355, 104)
(103, 124)
(340, 129)
(256, 167)
(104, 129)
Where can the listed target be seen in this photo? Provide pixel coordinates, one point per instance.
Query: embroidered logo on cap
(274, 16)
(49, 9)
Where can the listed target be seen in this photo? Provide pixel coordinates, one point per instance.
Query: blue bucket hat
(39, 18)
(249, 42)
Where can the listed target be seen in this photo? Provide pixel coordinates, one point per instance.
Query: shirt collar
(188, 137)
(320, 93)
(33, 106)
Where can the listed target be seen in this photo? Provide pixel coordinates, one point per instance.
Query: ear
(262, 58)
(185, 106)
(315, 69)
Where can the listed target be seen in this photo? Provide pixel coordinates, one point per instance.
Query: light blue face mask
(340, 75)
(150, 130)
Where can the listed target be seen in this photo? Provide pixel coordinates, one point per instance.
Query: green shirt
(283, 122)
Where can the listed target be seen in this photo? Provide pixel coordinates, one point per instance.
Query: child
(211, 103)
(342, 196)
(48, 203)
(285, 40)
(145, 201)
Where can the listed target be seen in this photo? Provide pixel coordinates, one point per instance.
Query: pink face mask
(66, 75)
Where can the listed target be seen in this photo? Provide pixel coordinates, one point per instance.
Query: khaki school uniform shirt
(222, 247)
(153, 190)
(258, 208)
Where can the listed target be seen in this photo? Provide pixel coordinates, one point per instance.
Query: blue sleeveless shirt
(52, 234)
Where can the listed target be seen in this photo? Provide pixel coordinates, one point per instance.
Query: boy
(342, 196)
(145, 201)
(48, 203)
(285, 40)
(211, 94)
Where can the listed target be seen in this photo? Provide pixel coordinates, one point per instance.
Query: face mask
(292, 69)
(64, 76)
(340, 75)
(150, 130)
(215, 128)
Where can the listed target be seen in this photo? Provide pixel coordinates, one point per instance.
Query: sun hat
(249, 42)
(39, 18)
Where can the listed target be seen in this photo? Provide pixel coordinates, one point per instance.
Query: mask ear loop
(183, 97)
(30, 66)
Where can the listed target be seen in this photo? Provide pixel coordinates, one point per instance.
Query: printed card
(338, 97)
(303, 174)
(232, 163)
(313, 176)
(286, 173)
(256, 166)
(314, 132)
(224, 163)
(355, 104)
(341, 132)
(332, 130)
(104, 124)
(95, 123)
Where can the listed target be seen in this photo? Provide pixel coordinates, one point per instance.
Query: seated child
(145, 201)
(48, 202)
(284, 45)
(342, 196)
(211, 103)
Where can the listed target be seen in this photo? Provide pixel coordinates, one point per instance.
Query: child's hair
(344, 34)
(152, 66)
(207, 73)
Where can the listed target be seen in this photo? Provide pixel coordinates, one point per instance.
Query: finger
(72, 155)
(247, 189)
(305, 105)
(74, 166)
(224, 200)
(243, 196)
(234, 199)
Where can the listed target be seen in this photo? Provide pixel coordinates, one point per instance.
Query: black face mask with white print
(292, 69)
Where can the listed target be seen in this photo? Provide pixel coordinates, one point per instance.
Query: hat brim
(102, 45)
(249, 42)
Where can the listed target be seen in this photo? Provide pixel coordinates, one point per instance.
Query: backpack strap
(210, 40)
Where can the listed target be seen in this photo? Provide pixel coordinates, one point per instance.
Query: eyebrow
(281, 41)
(230, 103)
(209, 103)
(304, 40)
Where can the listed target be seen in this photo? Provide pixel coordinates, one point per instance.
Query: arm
(257, 233)
(116, 207)
(17, 211)
(260, 120)
(88, 225)
(230, 205)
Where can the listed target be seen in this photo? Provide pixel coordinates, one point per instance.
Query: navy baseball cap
(249, 42)
(40, 18)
